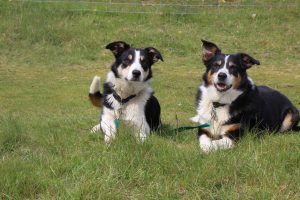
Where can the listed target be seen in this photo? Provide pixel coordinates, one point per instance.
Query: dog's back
(265, 108)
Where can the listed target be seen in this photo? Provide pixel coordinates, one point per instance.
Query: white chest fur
(126, 88)
(135, 108)
(132, 112)
(216, 117)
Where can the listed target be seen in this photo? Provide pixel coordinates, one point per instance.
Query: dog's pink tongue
(221, 85)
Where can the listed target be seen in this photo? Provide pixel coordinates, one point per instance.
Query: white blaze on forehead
(136, 63)
(224, 68)
(229, 79)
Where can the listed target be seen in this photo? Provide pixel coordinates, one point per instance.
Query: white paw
(109, 138)
(224, 143)
(142, 139)
(96, 128)
(195, 119)
(205, 144)
(206, 148)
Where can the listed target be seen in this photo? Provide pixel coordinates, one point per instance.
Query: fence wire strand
(152, 7)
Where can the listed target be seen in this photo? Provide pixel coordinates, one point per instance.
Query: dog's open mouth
(222, 87)
(133, 79)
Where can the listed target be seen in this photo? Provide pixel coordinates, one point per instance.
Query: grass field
(48, 57)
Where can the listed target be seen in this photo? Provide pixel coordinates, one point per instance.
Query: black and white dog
(230, 102)
(127, 91)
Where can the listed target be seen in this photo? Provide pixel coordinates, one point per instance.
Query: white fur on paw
(142, 139)
(96, 128)
(108, 139)
(205, 144)
(195, 119)
(224, 143)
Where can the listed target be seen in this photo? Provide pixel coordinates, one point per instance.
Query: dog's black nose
(222, 76)
(136, 73)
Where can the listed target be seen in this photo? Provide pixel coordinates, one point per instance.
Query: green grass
(48, 56)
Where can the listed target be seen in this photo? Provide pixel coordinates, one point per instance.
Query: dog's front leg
(223, 143)
(142, 128)
(108, 125)
(227, 139)
(205, 140)
(230, 133)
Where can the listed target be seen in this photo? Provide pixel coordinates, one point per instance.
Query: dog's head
(225, 71)
(133, 64)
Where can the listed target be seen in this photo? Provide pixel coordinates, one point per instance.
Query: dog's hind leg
(290, 121)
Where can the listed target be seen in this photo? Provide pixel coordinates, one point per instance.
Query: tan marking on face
(210, 78)
(130, 57)
(219, 62)
(287, 123)
(142, 58)
(237, 82)
(152, 51)
(231, 64)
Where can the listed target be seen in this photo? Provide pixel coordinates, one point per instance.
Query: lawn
(49, 53)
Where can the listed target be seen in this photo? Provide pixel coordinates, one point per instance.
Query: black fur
(152, 113)
(107, 90)
(198, 96)
(263, 108)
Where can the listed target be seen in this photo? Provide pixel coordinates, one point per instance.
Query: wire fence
(183, 7)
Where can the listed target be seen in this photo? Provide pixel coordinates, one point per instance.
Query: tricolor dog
(229, 101)
(127, 94)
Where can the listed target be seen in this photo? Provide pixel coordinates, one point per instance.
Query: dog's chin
(222, 87)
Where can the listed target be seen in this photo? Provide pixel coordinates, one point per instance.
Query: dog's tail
(95, 95)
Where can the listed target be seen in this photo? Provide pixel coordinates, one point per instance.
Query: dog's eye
(232, 66)
(125, 63)
(217, 64)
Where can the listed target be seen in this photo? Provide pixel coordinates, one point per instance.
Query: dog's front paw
(205, 144)
(96, 128)
(224, 143)
(195, 119)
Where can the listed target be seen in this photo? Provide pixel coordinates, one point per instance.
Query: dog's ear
(117, 48)
(209, 50)
(154, 54)
(247, 61)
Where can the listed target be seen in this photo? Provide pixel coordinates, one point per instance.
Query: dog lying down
(127, 94)
(229, 101)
